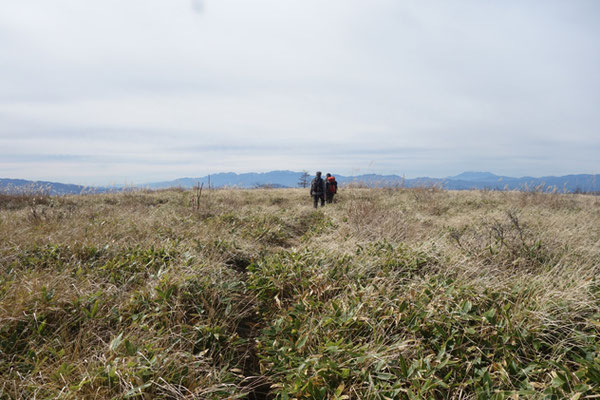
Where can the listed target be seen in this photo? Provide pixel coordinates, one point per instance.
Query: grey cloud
(415, 87)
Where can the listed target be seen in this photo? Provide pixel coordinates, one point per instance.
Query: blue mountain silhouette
(282, 179)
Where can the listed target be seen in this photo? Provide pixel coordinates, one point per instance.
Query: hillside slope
(387, 294)
(53, 188)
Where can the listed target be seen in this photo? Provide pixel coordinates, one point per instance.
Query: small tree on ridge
(303, 180)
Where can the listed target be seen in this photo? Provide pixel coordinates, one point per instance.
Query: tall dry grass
(388, 293)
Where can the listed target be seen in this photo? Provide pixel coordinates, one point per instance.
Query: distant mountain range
(53, 188)
(286, 179)
(464, 181)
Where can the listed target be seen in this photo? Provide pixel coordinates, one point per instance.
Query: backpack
(317, 186)
(332, 185)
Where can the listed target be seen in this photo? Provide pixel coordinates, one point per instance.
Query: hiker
(330, 188)
(317, 190)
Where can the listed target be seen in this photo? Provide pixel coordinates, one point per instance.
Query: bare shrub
(505, 243)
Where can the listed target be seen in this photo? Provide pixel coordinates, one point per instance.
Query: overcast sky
(134, 91)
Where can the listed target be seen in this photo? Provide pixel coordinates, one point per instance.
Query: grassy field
(387, 294)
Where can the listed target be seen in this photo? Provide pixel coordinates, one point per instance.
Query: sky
(117, 92)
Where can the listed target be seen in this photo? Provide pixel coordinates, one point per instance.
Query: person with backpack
(330, 188)
(317, 190)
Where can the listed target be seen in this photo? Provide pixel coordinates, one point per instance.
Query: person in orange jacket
(330, 188)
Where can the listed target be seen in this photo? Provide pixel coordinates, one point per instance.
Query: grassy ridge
(408, 293)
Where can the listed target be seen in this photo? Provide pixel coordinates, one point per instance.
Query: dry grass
(389, 293)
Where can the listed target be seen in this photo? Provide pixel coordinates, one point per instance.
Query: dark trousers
(316, 198)
(330, 197)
